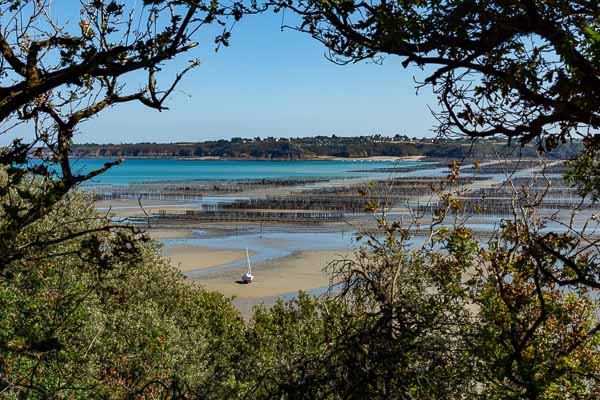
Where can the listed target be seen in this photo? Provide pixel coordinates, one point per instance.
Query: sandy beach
(161, 234)
(302, 270)
(131, 208)
(372, 158)
(189, 258)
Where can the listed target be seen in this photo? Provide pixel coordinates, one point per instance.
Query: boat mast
(248, 258)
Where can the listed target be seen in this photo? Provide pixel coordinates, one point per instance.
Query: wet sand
(302, 270)
(131, 208)
(161, 234)
(189, 258)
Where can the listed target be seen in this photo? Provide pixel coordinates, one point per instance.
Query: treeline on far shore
(321, 146)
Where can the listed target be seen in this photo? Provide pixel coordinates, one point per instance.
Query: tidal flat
(294, 224)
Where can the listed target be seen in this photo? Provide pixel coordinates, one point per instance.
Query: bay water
(156, 170)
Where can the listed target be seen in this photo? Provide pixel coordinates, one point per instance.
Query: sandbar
(372, 158)
(131, 208)
(159, 234)
(189, 258)
(302, 270)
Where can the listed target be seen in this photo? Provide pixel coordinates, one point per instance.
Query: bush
(104, 315)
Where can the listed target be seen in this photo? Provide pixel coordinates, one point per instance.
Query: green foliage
(583, 171)
(534, 338)
(311, 147)
(288, 349)
(104, 315)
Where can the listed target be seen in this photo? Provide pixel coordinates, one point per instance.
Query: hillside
(318, 147)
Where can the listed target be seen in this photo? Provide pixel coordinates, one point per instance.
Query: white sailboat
(248, 277)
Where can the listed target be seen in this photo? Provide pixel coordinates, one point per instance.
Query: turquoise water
(151, 170)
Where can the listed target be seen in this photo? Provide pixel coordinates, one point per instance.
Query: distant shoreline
(316, 148)
(213, 158)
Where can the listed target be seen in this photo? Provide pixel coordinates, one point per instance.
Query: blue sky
(273, 83)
